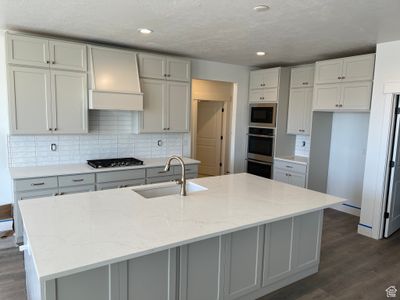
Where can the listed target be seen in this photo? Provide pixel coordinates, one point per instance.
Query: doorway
(211, 123)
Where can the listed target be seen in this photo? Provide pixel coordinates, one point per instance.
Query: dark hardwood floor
(352, 267)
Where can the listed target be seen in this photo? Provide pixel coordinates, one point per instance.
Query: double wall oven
(261, 139)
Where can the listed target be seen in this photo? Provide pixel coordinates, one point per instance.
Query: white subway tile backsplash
(110, 135)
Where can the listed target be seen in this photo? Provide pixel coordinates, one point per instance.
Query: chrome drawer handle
(37, 184)
(78, 180)
(290, 167)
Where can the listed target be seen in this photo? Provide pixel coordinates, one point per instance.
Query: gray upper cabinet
(68, 56)
(166, 106)
(302, 76)
(41, 52)
(30, 100)
(69, 105)
(178, 107)
(243, 262)
(162, 67)
(354, 68)
(200, 270)
(153, 118)
(46, 93)
(43, 101)
(28, 51)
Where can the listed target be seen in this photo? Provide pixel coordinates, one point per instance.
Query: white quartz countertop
(294, 159)
(70, 169)
(72, 233)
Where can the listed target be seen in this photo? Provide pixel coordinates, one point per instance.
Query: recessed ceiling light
(145, 30)
(261, 53)
(261, 8)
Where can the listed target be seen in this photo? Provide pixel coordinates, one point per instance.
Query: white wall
(387, 69)
(347, 159)
(5, 182)
(208, 70)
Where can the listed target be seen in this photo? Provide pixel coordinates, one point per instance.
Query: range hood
(114, 79)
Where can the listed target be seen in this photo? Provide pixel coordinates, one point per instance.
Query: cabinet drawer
(119, 184)
(73, 180)
(267, 95)
(120, 175)
(292, 167)
(159, 171)
(76, 189)
(161, 179)
(36, 184)
(188, 169)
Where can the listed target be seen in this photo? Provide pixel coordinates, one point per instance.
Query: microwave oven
(263, 115)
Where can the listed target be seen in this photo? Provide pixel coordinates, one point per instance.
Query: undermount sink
(170, 188)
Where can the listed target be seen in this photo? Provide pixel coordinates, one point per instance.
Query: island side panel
(245, 264)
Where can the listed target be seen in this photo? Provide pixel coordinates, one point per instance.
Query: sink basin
(170, 188)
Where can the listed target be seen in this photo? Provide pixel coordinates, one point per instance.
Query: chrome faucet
(182, 181)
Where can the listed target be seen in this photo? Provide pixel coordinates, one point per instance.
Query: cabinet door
(153, 277)
(178, 109)
(306, 240)
(268, 78)
(68, 56)
(280, 175)
(298, 104)
(28, 51)
(178, 69)
(359, 68)
(30, 100)
(356, 96)
(297, 179)
(21, 196)
(308, 111)
(153, 119)
(200, 270)
(243, 262)
(327, 97)
(328, 71)
(152, 66)
(70, 110)
(265, 95)
(302, 77)
(277, 251)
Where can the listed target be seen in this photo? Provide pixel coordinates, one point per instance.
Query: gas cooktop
(114, 162)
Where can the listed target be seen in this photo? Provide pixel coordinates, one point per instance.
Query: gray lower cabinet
(243, 257)
(201, 268)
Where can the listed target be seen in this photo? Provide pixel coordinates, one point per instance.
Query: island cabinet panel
(243, 262)
(307, 231)
(277, 251)
(153, 277)
(200, 270)
(87, 285)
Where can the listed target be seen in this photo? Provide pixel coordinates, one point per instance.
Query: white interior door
(392, 218)
(209, 132)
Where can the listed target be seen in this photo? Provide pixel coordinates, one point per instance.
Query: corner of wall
(5, 180)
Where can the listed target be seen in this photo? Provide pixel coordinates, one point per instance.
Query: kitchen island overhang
(119, 230)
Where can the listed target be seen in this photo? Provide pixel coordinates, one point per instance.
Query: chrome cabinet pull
(305, 83)
(289, 167)
(37, 184)
(78, 180)
(47, 61)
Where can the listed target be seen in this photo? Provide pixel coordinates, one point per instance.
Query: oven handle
(261, 135)
(259, 162)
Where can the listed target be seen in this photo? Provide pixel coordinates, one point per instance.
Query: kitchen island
(232, 237)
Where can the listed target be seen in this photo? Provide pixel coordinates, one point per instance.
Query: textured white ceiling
(292, 31)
